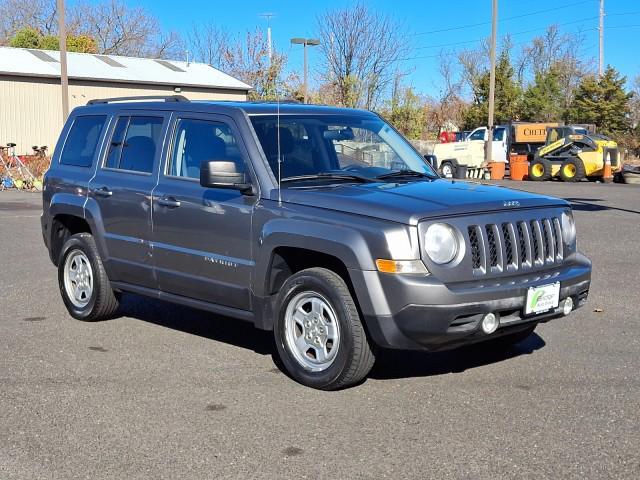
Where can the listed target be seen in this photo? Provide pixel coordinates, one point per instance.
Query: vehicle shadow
(197, 322)
(390, 364)
(393, 364)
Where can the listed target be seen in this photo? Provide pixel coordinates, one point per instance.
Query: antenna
(268, 16)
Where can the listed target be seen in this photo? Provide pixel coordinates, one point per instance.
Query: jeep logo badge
(511, 203)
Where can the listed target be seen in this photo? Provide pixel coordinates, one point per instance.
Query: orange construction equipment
(518, 167)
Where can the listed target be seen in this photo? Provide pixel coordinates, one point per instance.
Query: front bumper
(423, 313)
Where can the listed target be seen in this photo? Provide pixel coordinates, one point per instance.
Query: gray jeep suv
(321, 224)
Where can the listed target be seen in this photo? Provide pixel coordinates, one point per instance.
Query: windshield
(336, 144)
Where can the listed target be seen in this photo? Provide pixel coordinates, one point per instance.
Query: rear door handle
(169, 202)
(102, 192)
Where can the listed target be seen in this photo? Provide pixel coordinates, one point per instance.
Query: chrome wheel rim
(447, 171)
(312, 332)
(78, 278)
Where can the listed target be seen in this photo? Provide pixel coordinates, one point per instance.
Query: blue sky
(451, 20)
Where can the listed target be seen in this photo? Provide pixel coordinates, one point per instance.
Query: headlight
(568, 228)
(441, 243)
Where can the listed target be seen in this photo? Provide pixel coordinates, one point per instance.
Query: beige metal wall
(31, 110)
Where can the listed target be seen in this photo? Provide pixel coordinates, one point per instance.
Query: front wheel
(318, 332)
(540, 170)
(448, 170)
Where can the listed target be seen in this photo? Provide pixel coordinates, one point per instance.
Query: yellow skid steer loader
(572, 153)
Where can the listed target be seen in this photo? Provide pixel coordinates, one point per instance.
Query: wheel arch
(283, 253)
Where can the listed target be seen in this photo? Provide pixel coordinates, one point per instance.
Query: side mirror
(224, 174)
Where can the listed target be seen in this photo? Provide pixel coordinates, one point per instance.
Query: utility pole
(64, 79)
(492, 81)
(268, 16)
(601, 35)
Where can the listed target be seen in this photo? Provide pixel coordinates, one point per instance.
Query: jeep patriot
(320, 224)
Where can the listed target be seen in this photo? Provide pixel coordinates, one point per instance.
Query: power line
(462, 27)
(510, 34)
(439, 54)
(625, 26)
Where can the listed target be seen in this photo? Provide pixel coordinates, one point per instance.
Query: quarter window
(82, 141)
(134, 143)
(198, 140)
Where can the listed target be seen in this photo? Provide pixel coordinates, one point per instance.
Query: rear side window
(82, 141)
(134, 143)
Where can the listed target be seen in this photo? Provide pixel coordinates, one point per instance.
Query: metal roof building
(30, 94)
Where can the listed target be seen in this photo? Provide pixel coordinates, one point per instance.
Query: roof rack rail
(166, 98)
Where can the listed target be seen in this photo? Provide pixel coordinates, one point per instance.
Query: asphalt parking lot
(169, 392)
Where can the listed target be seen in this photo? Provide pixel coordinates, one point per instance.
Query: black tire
(572, 170)
(102, 302)
(448, 166)
(539, 170)
(354, 356)
(506, 341)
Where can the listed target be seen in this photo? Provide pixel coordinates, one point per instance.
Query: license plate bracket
(542, 299)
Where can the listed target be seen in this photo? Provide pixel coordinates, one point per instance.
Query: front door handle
(169, 202)
(102, 192)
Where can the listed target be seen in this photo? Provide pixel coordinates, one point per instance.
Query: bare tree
(122, 30)
(209, 44)
(448, 106)
(17, 14)
(247, 58)
(361, 49)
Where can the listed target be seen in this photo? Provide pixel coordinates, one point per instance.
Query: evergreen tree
(507, 96)
(603, 102)
(542, 101)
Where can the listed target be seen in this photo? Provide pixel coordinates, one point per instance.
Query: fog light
(568, 306)
(490, 323)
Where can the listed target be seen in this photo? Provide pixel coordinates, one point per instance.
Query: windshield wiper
(403, 173)
(328, 176)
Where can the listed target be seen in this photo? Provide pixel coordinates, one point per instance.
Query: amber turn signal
(401, 266)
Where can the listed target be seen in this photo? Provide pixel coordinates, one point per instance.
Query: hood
(410, 202)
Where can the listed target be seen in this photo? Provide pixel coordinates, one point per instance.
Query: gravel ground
(169, 392)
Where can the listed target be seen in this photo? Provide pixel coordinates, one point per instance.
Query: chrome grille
(515, 246)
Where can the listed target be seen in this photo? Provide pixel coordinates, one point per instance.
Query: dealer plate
(542, 299)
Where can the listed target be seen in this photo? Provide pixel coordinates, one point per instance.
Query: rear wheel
(318, 332)
(539, 170)
(83, 281)
(572, 170)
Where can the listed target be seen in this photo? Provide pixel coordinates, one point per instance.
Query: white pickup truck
(471, 152)
(523, 138)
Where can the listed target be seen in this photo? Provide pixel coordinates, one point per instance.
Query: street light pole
(64, 79)
(492, 81)
(306, 74)
(305, 42)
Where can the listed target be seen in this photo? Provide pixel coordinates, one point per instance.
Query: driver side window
(198, 140)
